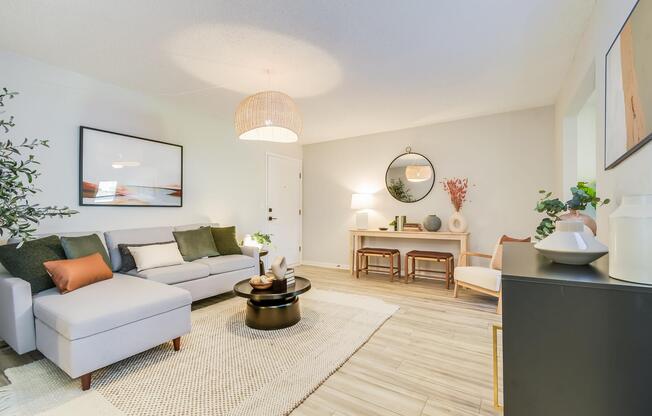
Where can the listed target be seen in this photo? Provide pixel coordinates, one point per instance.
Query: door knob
(270, 218)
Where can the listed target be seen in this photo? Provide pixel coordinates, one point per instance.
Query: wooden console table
(357, 237)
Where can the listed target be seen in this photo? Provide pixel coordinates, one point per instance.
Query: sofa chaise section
(103, 323)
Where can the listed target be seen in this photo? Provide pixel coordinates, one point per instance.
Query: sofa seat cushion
(229, 263)
(106, 305)
(483, 277)
(171, 275)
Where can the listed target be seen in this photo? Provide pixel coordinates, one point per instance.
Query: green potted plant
(583, 195)
(18, 173)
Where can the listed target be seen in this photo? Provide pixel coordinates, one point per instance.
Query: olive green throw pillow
(195, 244)
(225, 241)
(27, 261)
(76, 247)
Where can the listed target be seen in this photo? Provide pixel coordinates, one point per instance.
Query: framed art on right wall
(628, 87)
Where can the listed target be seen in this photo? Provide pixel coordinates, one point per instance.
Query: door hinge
(299, 212)
(299, 248)
(299, 175)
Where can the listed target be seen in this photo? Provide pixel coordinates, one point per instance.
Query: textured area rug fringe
(7, 401)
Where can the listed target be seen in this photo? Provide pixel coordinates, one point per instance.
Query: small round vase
(457, 223)
(432, 223)
(573, 215)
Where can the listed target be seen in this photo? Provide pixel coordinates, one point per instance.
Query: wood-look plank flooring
(433, 357)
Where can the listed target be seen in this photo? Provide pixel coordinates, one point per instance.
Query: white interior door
(284, 208)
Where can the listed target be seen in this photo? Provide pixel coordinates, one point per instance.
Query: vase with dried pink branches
(457, 189)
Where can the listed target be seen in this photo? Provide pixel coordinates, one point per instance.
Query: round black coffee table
(269, 309)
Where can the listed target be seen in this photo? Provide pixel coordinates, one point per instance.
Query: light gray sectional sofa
(97, 325)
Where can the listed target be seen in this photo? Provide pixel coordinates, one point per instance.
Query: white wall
(634, 175)
(224, 178)
(507, 157)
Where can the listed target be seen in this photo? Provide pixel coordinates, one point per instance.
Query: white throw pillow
(160, 255)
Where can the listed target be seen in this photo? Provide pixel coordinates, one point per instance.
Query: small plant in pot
(583, 195)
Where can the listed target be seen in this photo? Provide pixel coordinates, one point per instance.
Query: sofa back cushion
(127, 259)
(225, 240)
(72, 274)
(156, 255)
(27, 261)
(195, 244)
(82, 246)
(134, 236)
(195, 226)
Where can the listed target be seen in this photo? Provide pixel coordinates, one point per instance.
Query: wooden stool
(394, 269)
(436, 256)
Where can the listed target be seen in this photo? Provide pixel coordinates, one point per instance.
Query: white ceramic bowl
(571, 243)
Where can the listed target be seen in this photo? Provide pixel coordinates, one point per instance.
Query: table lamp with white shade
(361, 202)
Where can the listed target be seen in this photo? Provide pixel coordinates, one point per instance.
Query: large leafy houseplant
(18, 173)
(583, 195)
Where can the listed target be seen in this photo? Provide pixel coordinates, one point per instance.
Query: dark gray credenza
(575, 342)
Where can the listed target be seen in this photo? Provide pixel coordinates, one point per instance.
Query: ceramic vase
(630, 245)
(432, 223)
(574, 215)
(571, 243)
(457, 223)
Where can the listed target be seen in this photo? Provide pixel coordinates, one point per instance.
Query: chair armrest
(251, 252)
(472, 254)
(16, 316)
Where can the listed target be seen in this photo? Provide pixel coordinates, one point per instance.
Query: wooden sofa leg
(86, 381)
(455, 290)
(177, 343)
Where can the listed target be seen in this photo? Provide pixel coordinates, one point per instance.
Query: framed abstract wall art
(628, 87)
(122, 170)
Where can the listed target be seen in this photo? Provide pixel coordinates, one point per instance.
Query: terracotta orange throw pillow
(72, 274)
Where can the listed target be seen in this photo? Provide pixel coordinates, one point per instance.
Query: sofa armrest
(251, 252)
(16, 316)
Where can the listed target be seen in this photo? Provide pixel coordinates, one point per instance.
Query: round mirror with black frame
(410, 177)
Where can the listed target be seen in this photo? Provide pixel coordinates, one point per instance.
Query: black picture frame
(434, 176)
(81, 169)
(648, 138)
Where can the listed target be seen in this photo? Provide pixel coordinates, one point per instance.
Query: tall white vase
(457, 223)
(630, 240)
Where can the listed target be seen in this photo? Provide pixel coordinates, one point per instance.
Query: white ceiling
(354, 66)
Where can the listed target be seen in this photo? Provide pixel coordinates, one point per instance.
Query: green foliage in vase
(582, 195)
(399, 191)
(18, 173)
(260, 238)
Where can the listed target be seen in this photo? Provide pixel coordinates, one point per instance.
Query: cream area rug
(223, 368)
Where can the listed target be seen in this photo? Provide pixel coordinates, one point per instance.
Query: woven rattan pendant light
(270, 116)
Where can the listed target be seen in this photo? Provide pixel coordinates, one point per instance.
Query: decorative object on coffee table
(457, 189)
(260, 282)
(279, 267)
(271, 309)
(432, 223)
(571, 243)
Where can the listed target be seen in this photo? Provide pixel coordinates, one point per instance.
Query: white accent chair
(487, 280)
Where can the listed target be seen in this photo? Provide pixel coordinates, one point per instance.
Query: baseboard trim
(325, 265)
